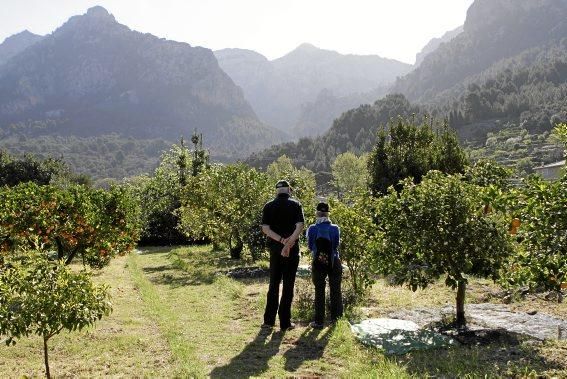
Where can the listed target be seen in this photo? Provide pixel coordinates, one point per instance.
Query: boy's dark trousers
(335, 276)
(281, 269)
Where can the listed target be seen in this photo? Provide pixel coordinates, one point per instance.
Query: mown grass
(176, 316)
(127, 343)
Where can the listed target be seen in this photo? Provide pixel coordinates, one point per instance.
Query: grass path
(174, 317)
(128, 343)
(220, 320)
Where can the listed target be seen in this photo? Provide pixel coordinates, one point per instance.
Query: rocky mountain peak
(17, 43)
(96, 19)
(98, 12)
(307, 47)
(25, 35)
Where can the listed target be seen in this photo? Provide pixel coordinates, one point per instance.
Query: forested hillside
(355, 130)
(493, 30)
(507, 70)
(529, 89)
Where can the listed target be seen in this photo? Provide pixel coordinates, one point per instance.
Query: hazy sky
(395, 29)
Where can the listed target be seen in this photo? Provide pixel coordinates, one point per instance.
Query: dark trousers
(335, 277)
(281, 269)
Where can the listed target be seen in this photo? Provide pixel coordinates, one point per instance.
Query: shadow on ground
(173, 276)
(189, 267)
(253, 360)
(309, 347)
(490, 353)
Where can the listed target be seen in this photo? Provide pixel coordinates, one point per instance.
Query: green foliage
(200, 156)
(515, 147)
(43, 297)
(349, 172)
(355, 130)
(93, 156)
(73, 221)
(359, 240)
(224, 204)
(30, 169)
(541, 261)
(408, 150)
(528, 88)
(438, 227)
(160, 196)
(301, 180)
(486, 172)
(560, 132)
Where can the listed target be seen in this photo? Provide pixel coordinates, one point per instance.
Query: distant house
(550, 171)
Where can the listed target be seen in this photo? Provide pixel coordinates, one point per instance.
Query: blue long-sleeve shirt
(334, 234)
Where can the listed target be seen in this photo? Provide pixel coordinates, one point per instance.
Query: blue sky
(395, 29)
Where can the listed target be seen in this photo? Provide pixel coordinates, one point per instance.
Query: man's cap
(282, 184)
(322, 207)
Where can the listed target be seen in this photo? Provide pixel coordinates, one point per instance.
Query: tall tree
(349, 172)
(409, 150)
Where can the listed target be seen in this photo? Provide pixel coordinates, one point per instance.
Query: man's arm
(290, 241)
(271, 234)
(295, 235)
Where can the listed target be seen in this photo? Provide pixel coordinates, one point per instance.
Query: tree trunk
(461, 321)
(71, 256)
(60, 251)
(46, 358)
(236, 249)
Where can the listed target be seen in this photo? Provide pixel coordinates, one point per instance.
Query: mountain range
(493, 30)
(94, 76)
(17, 43)
(434, 43)
(111, 98)
(284, 92)
(506, 69)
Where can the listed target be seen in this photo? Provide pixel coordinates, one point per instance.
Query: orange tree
(439, 228)
(42, 296)
(541, 207)
(74, 221)
(359, 238)
(223, 204)
(42, 229)
(542, 257)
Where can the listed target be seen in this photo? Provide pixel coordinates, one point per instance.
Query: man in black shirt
(282, 222)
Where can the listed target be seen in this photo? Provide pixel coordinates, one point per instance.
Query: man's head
(282, 186)
(323, 210)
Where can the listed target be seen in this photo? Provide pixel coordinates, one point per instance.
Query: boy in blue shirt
(323, 239)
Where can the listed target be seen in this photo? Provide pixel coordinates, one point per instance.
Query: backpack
(323, 249)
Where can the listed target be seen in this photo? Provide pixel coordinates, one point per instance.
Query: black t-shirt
(281, 214)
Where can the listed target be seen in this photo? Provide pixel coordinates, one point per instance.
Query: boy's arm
(338, 239)
(310, 237)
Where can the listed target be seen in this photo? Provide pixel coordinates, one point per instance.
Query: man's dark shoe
(266, 326)
(316, 325)
(289, 327)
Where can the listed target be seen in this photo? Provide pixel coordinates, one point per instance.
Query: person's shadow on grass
(253, 360)
(309, 346)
